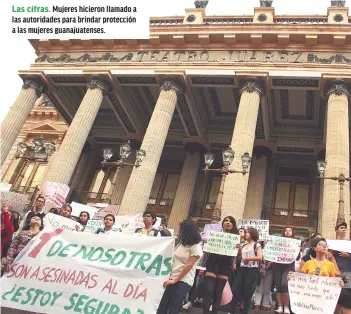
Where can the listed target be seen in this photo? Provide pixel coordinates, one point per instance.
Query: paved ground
(199, 311)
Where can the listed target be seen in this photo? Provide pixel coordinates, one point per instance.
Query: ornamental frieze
(181, 56)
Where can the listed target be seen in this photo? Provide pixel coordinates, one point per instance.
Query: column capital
(33, 82)
(167, 83)
(337, 87)
(252, 84)
(97, 81)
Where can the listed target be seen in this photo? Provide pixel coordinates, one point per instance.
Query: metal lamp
(125, 150)
(209, 158)
(107, 154)
(246, 161)
(228, 156)
(321, 164)
(140, 155)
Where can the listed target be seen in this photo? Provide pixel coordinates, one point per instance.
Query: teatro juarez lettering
(180, 56)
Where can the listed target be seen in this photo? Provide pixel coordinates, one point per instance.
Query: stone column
(17, 115)
(122, 179)
(65, 161)
(185, 189)
(336, 155)
(138, 190)
(235, 188)
(256, 186)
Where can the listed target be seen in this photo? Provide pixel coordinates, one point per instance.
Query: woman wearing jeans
(280, 278)
(251, 255)
(182, 276)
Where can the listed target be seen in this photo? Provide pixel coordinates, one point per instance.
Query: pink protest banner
(55, 192)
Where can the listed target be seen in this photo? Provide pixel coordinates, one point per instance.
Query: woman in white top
(182, 275)
(251, 255)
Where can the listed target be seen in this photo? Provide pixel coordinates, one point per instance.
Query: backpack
(155, 231)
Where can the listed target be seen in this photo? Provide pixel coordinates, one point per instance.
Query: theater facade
(275, 87)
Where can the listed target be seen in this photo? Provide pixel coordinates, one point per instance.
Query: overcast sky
(18, 54)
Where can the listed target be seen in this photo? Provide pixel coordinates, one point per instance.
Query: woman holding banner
(218, 271)
(182, 275)
(109, 221)
(83, 219)
(280, 279)
(21, 240)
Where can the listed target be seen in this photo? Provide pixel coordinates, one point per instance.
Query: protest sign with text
(76, 272)
(59, 222)
(262, 226)
(339, 245)
(222, 243)
(55, 192)
(102, 212)
(281, 250)
(93, 225)
(209, 228)
(313, 294)
(77, 208)
(15, 201)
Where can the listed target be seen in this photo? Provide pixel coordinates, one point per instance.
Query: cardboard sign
(15, 201)
(262, 226)
(222, 243)
(54, 221)
(55, 192)
(77, 272)
(281, 250)
(340, 245)
(311, 294)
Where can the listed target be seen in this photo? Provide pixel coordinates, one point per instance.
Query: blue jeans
(173, 297)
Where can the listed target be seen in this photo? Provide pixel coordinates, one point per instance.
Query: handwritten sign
(5, 187)
(210, 228)
(77, 272)
(222, 243)
(15, 201)
(59, 222)
(93, 225)
(281, 250)
(262, 226)
(102, 212)
(312, 294)
(55, 192)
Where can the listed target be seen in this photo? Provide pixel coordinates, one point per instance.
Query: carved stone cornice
(171, 83)
(96, 81)
(33, 82)
(252, 84)
(337, 87)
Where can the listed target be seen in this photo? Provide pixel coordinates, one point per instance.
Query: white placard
(222, 243)
(93, 225)
(15, 201)
(5, 187)
(54, 221)
(281, 250)
(210, 228)
(311, 294)
(339, 245)
(262, 226)
(55, 192)
(77, 208)
(70, 272)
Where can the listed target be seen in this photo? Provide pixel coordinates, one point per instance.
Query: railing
(241, 20)
(294, 218)
(161, 206)
(93, 197)
(160, 22)
(299, 20)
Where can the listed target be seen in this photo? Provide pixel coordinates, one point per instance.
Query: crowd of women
(251, 279)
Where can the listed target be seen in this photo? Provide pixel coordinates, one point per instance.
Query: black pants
(280, 276)
(173, 297)
(245, 287)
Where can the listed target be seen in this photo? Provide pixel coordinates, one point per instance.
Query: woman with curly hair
(218, 271)
(182, 275)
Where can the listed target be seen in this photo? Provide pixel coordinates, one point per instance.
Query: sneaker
(187, 306)
(211, 308)
(279, 310)
(200, 300)
(286, 310)
(256, 307)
